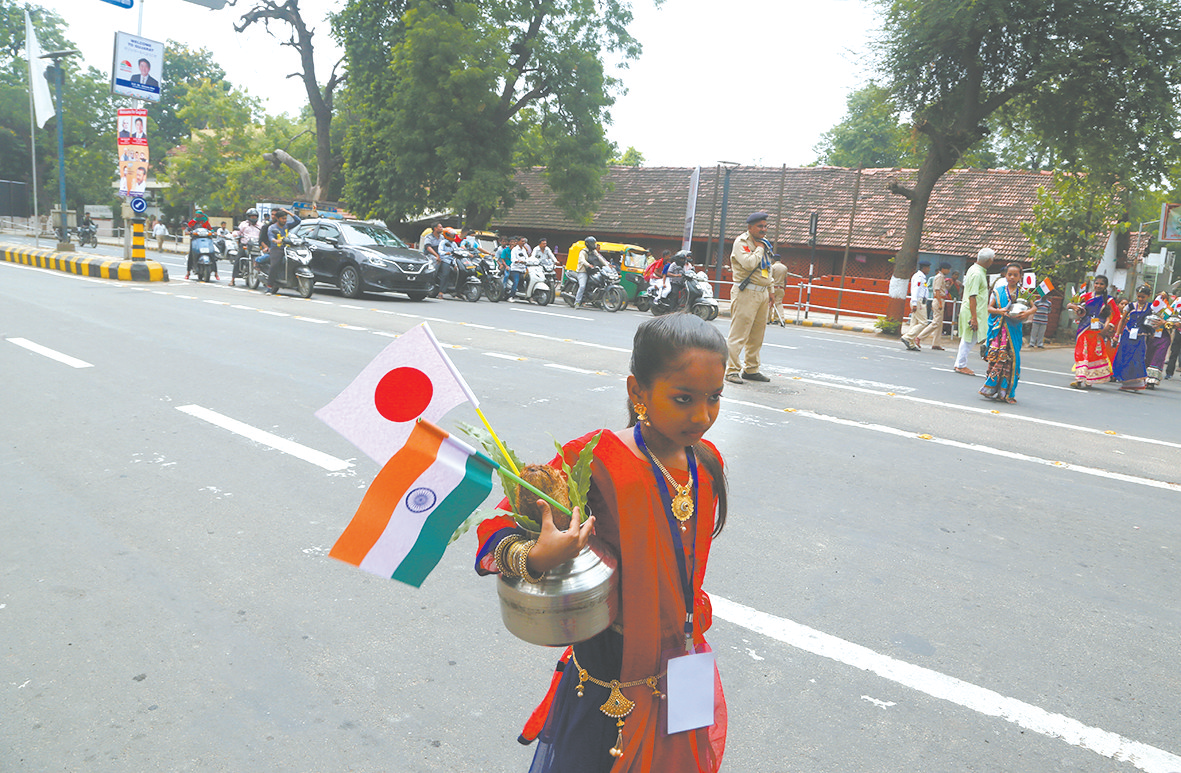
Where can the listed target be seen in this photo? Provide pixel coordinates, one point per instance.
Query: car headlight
(373, 260)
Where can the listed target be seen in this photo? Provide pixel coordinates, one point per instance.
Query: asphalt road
(911, 577)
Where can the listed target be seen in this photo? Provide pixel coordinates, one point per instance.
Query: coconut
(553, 483)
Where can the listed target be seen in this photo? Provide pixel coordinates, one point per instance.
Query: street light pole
(63, 238)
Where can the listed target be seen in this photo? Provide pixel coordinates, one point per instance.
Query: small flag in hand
(410, 378)
(421, 496)
(1158, 306)
(1045, 288)
(1028, 280)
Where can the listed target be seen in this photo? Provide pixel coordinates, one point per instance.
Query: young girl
(1129, 366)
(642, 478)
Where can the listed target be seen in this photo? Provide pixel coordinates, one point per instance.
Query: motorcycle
(695, 294)
(538, 283)
(202, 247)
(492, 276)
(465, 280)
(296, 273)
(602, 289)
(88, 236)
(248, 255)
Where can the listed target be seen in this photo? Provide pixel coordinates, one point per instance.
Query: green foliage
(578, 477)
(1071, 219)
(187, 69)
(492, 448)
(629, 157)
(870, 135)
(890, 327)
(448, 98)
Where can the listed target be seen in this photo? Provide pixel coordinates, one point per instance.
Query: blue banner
(121, 3)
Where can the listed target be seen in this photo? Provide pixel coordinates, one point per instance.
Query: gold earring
(642, 414)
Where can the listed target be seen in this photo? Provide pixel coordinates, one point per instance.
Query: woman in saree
(678, 364)
(1130, 363)
(1005, 338)
(1092, 358)
(1158, 342)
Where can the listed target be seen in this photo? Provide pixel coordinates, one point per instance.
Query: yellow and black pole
(137, 239)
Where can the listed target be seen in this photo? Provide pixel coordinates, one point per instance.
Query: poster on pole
(691, 209)
(138, 67)
(1170, 223)
(132, 146)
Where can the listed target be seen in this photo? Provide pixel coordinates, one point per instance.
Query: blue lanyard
(686, 573)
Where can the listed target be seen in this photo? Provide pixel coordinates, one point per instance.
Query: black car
(357, 257)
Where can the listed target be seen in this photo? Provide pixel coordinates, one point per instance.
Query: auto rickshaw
(630, 259)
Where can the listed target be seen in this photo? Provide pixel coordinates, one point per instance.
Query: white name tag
(1096, 324)
(690, 692)
(1157, 334)
(1133, 333)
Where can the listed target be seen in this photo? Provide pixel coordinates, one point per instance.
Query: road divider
(86, 265)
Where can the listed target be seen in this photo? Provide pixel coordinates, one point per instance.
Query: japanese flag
(411, 378)
(1029, 280)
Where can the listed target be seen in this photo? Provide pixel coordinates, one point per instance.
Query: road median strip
(86, 265)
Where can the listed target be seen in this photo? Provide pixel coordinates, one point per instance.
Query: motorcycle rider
(248, 231)
(276, 235)
(517, 267)
(447, 267)
(590, 260)
(544, 255)
(199, 221)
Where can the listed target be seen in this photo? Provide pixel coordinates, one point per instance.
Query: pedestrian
(955, 293)
(750, 265)
(919, 323)
(1041, 318)
(1158, 342)
(1175, 347)
(659, 499)
(778, 289)
(1092, 360)
(160, 231)
(1005, 329)
(1130, 366)
(974, 313)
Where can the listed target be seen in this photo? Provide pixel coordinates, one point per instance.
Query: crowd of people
(1134, 343)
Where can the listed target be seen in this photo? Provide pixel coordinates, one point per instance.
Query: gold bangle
(522, 565)
(503, 565)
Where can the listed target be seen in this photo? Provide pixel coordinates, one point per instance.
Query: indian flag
(420, 497)
(1045, 288)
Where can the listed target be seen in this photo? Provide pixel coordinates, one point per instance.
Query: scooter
(465, 281)
(539, 283)
(247, 257)
(492, 277)
(602, 289)
(88, 236)
(694, 294)
(296, 275)
(202, 247)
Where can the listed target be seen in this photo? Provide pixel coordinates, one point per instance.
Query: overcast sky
(749, 81)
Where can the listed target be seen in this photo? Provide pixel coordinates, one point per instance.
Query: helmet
(590, 241)
(252, 212)
(682, 257)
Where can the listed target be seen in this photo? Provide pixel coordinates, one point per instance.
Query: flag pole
(526, 484)
(509, 458)
(32, 135)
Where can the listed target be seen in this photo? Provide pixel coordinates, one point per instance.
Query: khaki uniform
(748, 308)
(934, 328)
(778, 288)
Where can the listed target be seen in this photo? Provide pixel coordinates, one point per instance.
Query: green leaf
(579, 477)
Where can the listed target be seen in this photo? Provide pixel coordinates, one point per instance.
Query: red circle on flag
(403, 394)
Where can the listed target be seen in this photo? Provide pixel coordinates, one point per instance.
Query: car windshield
(362, 234)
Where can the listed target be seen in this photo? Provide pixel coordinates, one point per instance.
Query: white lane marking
(554, 314)
(1054, 386)
(63, 274)
(187, 297)
(290, 447)
(984, 701)
(349, 306)
(52, 354)
(840, 340)
(161, 292)
(903, 433)
(945, 369)
(218, 303)
(780, 346)
(384, 334)
(273, 313)
(313, 320)
(326, 303)
(245, 308)
(571, 368)
(500, 356)
(995, 412)
(1052, 372)
(351, 327)
(827, 378)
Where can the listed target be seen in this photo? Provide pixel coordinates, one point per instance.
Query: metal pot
(1018, 307)
(573, 602)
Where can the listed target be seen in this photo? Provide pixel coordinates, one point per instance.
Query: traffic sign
(121, 3)
(138, 204)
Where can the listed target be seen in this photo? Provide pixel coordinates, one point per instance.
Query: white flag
(42, 99)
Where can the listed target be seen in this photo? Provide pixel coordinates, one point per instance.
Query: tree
(519, 82)
(870, 135)
(629, 157)
(1097, 81)
(319, 98)
(187, 68)
(1070, 222)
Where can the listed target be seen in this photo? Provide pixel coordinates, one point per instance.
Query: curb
(86, 265)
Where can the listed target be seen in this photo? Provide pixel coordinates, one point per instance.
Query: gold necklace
(682, 500)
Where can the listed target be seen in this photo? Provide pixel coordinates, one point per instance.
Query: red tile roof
(969, 209)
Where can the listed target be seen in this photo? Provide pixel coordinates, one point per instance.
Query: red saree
(629, 516)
